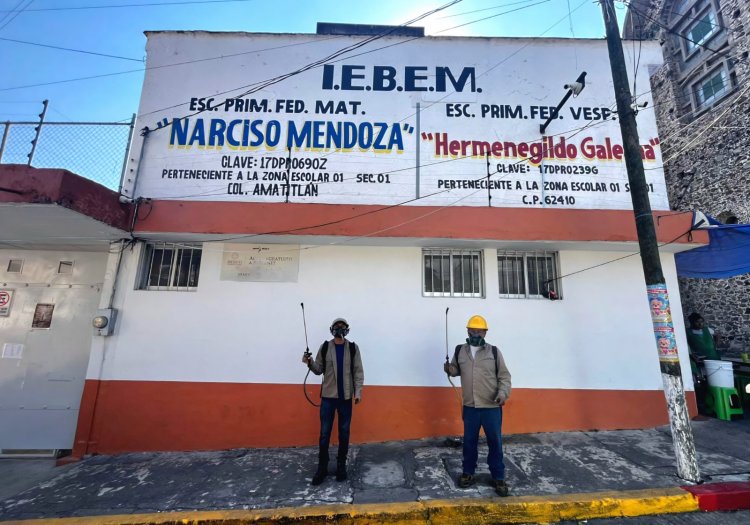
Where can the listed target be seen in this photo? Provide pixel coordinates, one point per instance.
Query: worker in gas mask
(340, 363)
(485, 384)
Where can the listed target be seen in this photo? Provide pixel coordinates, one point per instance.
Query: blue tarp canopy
(726, 255)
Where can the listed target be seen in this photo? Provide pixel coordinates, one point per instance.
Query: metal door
(42, 370)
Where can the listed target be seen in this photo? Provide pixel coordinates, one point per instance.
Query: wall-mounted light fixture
(104, 322)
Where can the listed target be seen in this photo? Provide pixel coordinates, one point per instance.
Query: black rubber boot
(341, 470)
(320, 473)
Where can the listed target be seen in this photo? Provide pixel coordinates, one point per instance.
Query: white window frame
(525, 255)
(149, 252)
(703, 103)
(691, 44)
(451, 253)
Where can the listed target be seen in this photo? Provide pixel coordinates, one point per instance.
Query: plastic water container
(719, 373)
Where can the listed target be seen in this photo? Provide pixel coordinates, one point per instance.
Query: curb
(519, 509)
(722, 496)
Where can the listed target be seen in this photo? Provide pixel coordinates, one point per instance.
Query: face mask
(339, 331)
(475, 340)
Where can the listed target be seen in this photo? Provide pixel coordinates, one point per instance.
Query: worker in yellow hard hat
(485, 384)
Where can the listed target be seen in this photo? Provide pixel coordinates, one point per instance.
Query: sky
(118, 31)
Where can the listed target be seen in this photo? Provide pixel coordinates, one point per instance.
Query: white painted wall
(524, 74)
(598, 337)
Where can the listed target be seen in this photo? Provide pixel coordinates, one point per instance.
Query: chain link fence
(94, 150)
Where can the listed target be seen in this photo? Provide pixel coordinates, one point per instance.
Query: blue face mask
(475, 340)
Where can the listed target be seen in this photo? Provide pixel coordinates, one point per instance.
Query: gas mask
(475, 340)
(339, 331)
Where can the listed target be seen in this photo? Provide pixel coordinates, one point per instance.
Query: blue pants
(490, 419)
(328, 408)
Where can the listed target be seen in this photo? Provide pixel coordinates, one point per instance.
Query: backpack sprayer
(447, 361)
(451, 441)
(305, 357)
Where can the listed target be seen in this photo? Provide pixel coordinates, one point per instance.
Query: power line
(69, 49)
(615, 260)
(21, 10)
(347, 49)
(7, 13)
(260, 85)
(667, 29)
(150, 4)
(491, 16)
(499, 6)
(186, 62)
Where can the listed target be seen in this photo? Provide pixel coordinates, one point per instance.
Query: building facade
(405, 185)
(701, 101)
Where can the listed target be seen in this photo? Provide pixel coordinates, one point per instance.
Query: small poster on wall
(12, 351)
(43, 316)
(260, 263)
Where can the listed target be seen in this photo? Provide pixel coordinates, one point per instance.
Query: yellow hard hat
(477, 322)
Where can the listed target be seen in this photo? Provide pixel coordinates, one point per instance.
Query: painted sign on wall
(6, 299)
(432, 121)
(260, 262)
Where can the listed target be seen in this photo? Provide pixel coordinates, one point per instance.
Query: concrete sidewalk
(553, 476)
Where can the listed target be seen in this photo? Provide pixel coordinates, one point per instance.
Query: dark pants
(490, 419)
(328, 408)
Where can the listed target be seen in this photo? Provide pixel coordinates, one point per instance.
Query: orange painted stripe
(166, 415)
(512, 224)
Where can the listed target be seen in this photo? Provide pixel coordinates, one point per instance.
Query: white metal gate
(43, 369)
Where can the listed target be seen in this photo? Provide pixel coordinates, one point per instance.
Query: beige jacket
(481, 387)
(330, 389)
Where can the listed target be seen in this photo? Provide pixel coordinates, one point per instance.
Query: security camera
(575, 87)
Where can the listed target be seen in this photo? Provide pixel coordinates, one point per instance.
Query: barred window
(166, 266)
(452, 273)
(528, 274)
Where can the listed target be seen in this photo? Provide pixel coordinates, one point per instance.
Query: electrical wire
(69, 49)
(615, 260)
(21, 10)
(259, 86)
(150, 4)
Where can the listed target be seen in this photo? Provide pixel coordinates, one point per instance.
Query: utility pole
(656, 288)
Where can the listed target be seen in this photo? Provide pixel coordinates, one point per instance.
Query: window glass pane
(532, 265)
(445, 269)
(428, 273)
(701, 30)
(510, 269)
(712, 88)
(161, 266)
(475, 270)
(186, 268)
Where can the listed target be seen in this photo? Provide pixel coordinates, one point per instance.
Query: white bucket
(719, 373)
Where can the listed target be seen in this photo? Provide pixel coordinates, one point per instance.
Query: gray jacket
(479, 383)
(330, 388)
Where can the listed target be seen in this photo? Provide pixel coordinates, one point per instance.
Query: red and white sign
(6, 298)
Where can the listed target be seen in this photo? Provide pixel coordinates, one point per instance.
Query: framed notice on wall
(260, 263)
(6, 300)
(42, 315)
